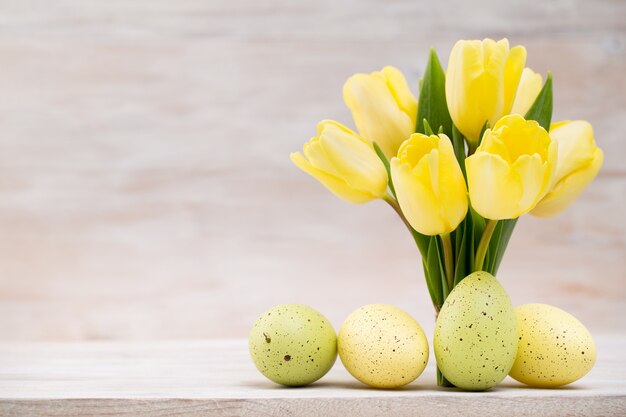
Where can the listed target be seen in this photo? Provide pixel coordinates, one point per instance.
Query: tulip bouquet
(460, 164)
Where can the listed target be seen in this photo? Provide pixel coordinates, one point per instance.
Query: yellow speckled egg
(554, 348)
(382, 346)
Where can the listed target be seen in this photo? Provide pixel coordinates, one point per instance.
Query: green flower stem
(448, 257)
(449, 266)
(442, 381)
(394, 204)
(420, 240)
(484, 244)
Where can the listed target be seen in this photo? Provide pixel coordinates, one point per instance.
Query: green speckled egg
(293, 344)
(476, 333)
(382, 346)
(554, 347)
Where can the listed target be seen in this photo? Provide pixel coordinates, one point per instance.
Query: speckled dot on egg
(476, 333)
(554, 349)
(382, 346)
(293, 344)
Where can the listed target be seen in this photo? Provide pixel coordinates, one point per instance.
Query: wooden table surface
(217, 378)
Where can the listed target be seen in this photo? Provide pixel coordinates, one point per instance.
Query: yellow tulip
(344, 163)
(512, 168)
(429, 184)
(481, 83)
(383, 108)
(578, 163)
(529, 87)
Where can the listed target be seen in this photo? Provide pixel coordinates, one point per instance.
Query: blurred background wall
(146, 190)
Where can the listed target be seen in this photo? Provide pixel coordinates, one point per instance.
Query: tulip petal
(495, 59)
(469, 93)
(453, 192)
(401, 92)
(512, 74)
(534, 177)
(353, 159)
(568, 189)
(522, 137)
(493, 144)
(422, 169)
(432, 162)
(418, 145)
(494, 189)
(529, 87)
(337, 186)
(481, 83)
(416, 200)
(576, 146)
(315, 154)
(579, 160)
(376, 113)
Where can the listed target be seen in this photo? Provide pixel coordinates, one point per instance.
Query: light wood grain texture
(217, 378)
(146, 190)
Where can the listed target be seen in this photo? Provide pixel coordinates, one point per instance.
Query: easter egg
(554, 347)
(476, 333)
(293, 344)
(382, 346)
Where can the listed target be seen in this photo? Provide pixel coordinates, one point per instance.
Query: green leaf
(479, 225)
(464, 249)
(477, 229)
(507, 230)
(498, 244)
(471, 242)
(458, 143)
(492, 250)
(435, 277)
(383, 158)
(422, 242)
(427, 129)
(457, 235)
(482, 132)
(432, 100)
(433, 289)
(460, 270)
(541, 110)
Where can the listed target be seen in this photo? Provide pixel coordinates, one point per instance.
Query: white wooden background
(146, 190)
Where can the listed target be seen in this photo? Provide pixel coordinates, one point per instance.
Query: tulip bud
(512, 169)
(578, 163)
(383, 108)
(344, 163)
(481, 83)
(529, 87)
(429, 184)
